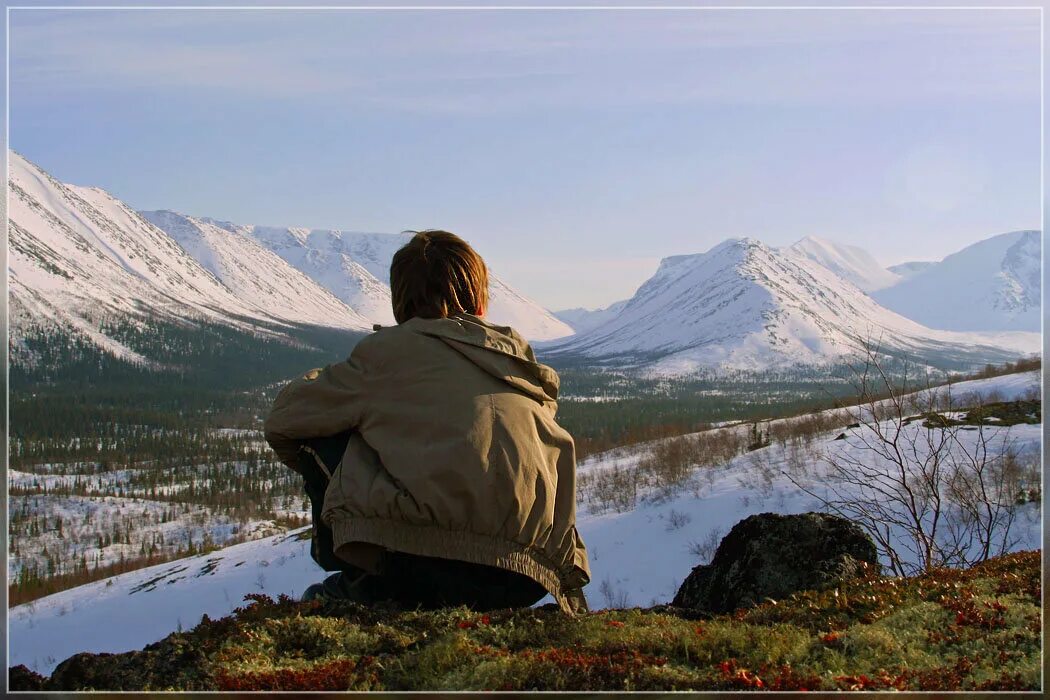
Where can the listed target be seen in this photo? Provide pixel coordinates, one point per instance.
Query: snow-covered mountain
(993, 285)
(743, 304)
(640, 555)
(355, 267)
(85, 264)
(254, 272)
(910, 269)
(849, 262)
(583, 320)
(509, 307)
(352, 266)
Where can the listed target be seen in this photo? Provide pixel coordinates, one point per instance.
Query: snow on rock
(78, 249)
(849, 262)
(355, 267)
(993, 285)
(745, 305)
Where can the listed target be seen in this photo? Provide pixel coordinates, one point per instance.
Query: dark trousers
(411, 581)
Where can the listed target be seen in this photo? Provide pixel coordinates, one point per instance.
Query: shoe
(339, 586)
(313, 592)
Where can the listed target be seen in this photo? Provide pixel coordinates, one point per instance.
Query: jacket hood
(499, 350)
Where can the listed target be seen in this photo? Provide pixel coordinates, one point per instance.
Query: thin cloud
(493, 62)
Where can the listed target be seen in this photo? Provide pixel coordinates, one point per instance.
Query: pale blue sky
(574, 149)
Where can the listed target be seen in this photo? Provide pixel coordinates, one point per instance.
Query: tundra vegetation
(945, 629)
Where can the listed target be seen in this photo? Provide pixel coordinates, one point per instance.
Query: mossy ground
(949, 630)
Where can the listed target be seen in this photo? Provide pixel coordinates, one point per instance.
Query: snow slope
(511, 308)
(849, 262)
(993, 285)
(644, 554)
(355, 267)
(745, 305)
(254, 272)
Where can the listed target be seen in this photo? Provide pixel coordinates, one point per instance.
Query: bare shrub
(799, 460)
(704, 550)
(944, 493)
(758, 476)
(614, 597)
(719, 447)
(667, 463)
(615, 489)
(677, 520)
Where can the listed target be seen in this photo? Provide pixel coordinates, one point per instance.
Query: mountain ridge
(745, 305)
(355, 267)
(852, 263)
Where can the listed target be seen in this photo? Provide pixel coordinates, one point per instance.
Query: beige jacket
(455, 454)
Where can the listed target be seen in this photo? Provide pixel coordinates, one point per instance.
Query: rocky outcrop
(772, 556)
(22, 679)
(173, 662)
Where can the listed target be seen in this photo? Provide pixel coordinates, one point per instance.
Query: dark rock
(772, 556)
(171, 662)
(21, 678)
(87, 672)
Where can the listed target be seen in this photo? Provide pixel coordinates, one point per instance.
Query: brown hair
(435, 275)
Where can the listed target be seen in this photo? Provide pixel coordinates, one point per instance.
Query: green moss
(946, 630)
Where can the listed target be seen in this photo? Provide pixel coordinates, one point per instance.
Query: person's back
(454, 455)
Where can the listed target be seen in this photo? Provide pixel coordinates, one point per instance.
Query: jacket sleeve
(321, 403)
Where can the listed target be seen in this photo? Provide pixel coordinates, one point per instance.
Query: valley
(147, 347)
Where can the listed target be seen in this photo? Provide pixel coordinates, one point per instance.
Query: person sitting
(444, 476)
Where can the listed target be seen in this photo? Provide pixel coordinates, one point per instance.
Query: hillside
(254, 272)
(945, 630)
(100, 294)
(683, 494)
(992, 285)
